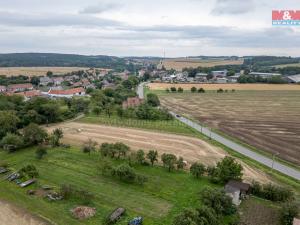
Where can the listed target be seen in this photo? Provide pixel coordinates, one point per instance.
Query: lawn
(158, 200)
(170, 126)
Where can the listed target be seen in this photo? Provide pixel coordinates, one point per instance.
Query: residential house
(2, 89)
(220, 73)
(237, 190)
(234, 78)
(132, 102)
(58, 81)
(19, 87)
(30, 94)
(44, 81)
(66, 93)
(201, 77)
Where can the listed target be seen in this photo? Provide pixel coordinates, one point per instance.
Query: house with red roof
(19, 87)
(66, 93)
(30, 94)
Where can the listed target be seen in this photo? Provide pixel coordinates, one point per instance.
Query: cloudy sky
(147, 27)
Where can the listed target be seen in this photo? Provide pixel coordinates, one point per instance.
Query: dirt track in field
(267, 120)
(12, 215)
(191, 149)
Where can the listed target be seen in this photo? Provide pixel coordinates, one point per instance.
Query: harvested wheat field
(12, 215)
(180, 63)
(191, 149)
(267, 120)
(242, 87)
(37, 71)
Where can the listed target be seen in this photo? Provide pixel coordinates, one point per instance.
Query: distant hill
(53, 59)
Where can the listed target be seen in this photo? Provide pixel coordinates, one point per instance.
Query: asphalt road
(284, 169)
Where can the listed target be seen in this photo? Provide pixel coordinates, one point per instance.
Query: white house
(66, 93)
(264, 75)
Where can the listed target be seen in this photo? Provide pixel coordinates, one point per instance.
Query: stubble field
(37, 71)
(180, 63)
(267, 120)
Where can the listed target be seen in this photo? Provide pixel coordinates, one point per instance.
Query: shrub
(193, 89)
(106, 167)
(34, 134)
(271, 192)
(220, 90)
(121, 149)
(227, 169)
(152, 156)
(167, 90)
(29, 171)
(288, 212)
(197, 169)
(201, 90)
(180, 90)
(41, 151)
(173, 89)
(153, 100)
(12, 142)
(169, 161)
(141, 179)
(89, 146)
(124, 172)
(218, 200)
(140, 156)
(180, 163)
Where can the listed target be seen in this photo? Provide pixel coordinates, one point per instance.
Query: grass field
(288, 65)
(163, 196)
(170, 126)
(241, 87)
(180, 63)
(37, 71)
(267, 120)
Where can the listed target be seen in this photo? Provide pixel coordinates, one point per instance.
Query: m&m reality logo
(286, 17)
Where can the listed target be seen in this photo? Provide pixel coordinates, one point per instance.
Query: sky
(147, 27)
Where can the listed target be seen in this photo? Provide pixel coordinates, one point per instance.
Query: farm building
(237, 190)
(57, 81)
(19, 87)
(293, 78)
(132, 102)
(264, 75)
(66, 93)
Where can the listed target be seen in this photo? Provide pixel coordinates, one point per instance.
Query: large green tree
(8, 122)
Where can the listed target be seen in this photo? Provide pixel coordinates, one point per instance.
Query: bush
(12, 142)
(201, 90)
(68, 191)
(197, 169)
(124, 172)
(180, 163)
(272, 192)
(152, 156)
(140, 156)
(106, 167)
(173, 89)
(153, 100)
(29, 171)
(288, 212)
(34, 134)
(193, 89)
(169, 161)
(180, 90)
(218, 200)
(220, 90)
(227, 169)
(41, 151)
(141, 179)
(89, 146)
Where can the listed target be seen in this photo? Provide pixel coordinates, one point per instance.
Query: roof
(30, 94)
(58, 79)
(2, 87)
(238, 185)
(14, 86)
(296, 221)
(295, 78)
(66, 92)
(266, 74)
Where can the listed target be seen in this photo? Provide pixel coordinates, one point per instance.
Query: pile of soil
(83, 212)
